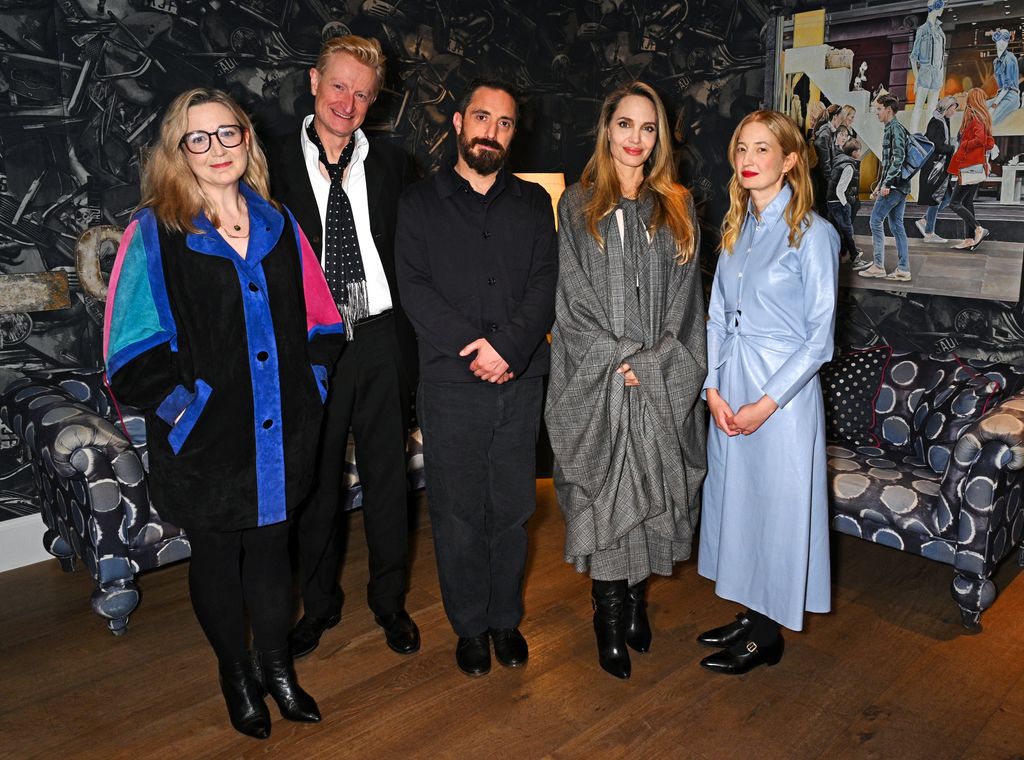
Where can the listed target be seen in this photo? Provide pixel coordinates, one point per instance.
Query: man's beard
(486, 161)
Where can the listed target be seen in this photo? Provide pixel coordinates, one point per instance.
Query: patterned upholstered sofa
(89, 463)
(926, 455)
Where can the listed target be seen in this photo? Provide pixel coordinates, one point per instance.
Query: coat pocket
(320, 375)
(181, 410)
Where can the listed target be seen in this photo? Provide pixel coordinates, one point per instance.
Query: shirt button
(267, 424)
(254, 287)
(487, 234)
(740, 274)
(493, 326)
(262, 356)
(491, 281)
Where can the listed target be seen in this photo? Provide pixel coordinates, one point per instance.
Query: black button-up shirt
(477, 266)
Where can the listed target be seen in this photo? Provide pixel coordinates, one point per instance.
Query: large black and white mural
(83, 84)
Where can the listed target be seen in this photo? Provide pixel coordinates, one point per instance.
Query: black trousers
(365, 395)
(962, 204)
(479, 449)
(232, 571)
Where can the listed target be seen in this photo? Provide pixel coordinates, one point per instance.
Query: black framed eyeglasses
(228, 135)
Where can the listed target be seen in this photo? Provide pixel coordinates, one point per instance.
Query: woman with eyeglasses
(221, 328)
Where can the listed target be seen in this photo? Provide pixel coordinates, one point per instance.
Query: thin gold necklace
(237, 227)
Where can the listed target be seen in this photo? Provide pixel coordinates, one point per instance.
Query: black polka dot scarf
(343, 265)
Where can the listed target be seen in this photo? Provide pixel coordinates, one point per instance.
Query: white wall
(21, 542)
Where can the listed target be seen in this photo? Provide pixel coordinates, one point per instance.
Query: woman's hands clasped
(743, 422)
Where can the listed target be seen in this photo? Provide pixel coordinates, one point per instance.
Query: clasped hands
(743, 422)
(487, 364)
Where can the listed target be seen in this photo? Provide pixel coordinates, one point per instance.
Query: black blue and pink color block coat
(228, 358)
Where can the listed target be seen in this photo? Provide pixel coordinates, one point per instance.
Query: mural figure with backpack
(902, 156)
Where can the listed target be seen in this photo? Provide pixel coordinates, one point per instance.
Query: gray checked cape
(629, 462)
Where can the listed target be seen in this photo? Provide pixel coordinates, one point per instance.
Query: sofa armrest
(105, 491)
(986, 469)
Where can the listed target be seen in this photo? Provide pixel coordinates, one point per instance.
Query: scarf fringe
(355, 307)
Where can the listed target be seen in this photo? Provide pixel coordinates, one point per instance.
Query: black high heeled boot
(608, 598)
(244, 699)
(276, 672)
(638, 627)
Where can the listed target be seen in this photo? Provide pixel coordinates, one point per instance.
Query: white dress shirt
(354, 183)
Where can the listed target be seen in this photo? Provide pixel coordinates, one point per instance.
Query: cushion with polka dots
(850, 384)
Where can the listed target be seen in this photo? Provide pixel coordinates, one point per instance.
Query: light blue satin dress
(764, 527)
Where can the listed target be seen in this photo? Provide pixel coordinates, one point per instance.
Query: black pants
(479, 449)
(962, 203)
(231, 571)
(366, 394)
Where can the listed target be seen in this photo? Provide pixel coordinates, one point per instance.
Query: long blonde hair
(977, 108)
(671, 200)
(168, 185)
(798, 210)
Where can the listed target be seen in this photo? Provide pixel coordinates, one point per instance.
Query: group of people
(261, 309)
(949, 178)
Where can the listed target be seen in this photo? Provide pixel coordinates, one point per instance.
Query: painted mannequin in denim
(1007, 74)
(928, 60)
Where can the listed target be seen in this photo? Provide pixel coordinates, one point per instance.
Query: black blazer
(388, 172)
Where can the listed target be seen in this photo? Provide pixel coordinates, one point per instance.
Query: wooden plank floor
(889, 674)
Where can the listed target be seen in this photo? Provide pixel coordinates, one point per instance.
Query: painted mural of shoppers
(936, 186)
(1007, 74)
(890, 195)
(221, 328)
(843, 186)
(764, 529)
(970, 165)
(824, 142)
(627, 361)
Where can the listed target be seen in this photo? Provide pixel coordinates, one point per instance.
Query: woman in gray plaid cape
(627, 361)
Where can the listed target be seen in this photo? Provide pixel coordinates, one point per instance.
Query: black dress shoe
(275, 671)
(305, 636)
(402, 634)
(473, 655)
(244, 699)
(744, 656)
(727, 635)
(634, 609)
(509, 647)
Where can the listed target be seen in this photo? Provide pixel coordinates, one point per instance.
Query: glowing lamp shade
(553, 183)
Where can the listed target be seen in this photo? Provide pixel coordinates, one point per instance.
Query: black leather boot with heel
(609, 598)
(638, 627)
(244, 699)
(277, 674)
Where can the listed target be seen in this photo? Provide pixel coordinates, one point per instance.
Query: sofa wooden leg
(970, 620)
(115, 602)
(973, 596)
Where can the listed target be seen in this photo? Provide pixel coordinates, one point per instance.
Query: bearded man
(477, 262)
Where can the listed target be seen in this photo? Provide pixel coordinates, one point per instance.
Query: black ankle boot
(610, 626)
(277, 674)
(638, 628)
(244, 698)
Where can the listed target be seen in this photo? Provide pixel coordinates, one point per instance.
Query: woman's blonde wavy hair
(799, 208)
(671, 200)
(168, 185)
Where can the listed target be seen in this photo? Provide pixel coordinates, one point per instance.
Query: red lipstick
(747, 174)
